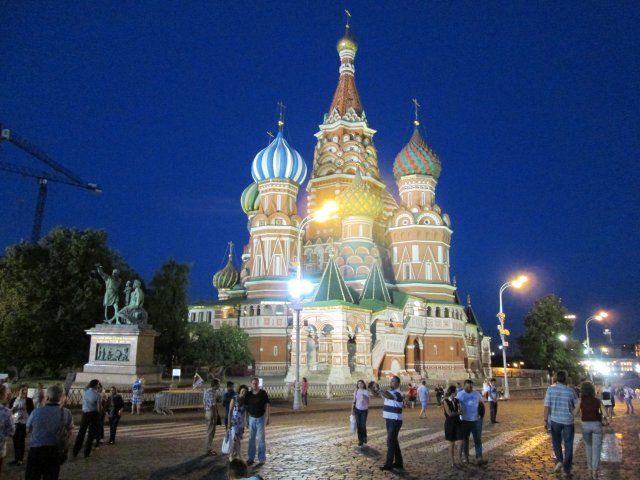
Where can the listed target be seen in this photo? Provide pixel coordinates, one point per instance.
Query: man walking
(91, 403)
(115, 406)
(470, 401)
(492, 398)
(423, 396)
(559, 403)
(211, 414)
(227, 396)
(257, 404)
(392, 414)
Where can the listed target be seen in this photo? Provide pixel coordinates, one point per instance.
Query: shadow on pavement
(204, 466)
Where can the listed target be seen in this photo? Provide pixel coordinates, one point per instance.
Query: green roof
(375, 287)
(332, 285)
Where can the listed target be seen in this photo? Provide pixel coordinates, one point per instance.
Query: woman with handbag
(237, 419)
(51, 427)
(593, 415)
(361, 410)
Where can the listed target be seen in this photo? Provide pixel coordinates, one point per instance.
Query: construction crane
(59, 175)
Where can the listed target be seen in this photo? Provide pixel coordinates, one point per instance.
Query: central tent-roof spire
(346, 100)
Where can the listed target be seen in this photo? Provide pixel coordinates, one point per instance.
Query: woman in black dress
(453, 425)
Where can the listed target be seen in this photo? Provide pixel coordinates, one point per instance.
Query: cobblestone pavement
(318, 445)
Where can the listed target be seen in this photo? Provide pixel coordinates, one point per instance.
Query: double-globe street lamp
(298, 287)
(517, 283)
(597, 317)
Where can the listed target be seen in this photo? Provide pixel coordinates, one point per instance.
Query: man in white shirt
(392, 414)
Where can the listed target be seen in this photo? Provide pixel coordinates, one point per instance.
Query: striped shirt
(392, 409)
(561, 400)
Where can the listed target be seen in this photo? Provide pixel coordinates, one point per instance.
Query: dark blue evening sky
(533, 107)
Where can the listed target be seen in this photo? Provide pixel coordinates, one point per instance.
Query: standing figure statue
(112, 283)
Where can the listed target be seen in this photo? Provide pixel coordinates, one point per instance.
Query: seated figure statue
(133, 314)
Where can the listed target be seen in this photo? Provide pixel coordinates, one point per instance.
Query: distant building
(383, 301)
(614, 360)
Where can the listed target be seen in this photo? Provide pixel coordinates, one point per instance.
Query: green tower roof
(375, 287)
(332, 285)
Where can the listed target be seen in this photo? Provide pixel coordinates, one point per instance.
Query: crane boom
(60, 175)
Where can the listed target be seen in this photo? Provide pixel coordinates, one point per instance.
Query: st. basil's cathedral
(383, 301)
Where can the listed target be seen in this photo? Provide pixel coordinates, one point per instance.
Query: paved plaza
(317, 444)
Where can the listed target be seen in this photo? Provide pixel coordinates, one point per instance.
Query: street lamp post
(517, 283)
(298, 288)
(597, 317)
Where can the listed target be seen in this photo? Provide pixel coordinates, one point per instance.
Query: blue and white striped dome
(279, 160)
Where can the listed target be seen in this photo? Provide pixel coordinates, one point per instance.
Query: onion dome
(228, 277)
(250, 200)
(347, 42)
(416, 158)
(359, 200)
(279, 160)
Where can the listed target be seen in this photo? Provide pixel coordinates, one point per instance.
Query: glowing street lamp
(299, 287)
(563, 338)
(517, 283)
(598, 318)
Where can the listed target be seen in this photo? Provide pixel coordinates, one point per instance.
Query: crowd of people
(50, 425)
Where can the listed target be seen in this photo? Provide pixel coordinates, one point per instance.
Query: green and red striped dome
(416, 158)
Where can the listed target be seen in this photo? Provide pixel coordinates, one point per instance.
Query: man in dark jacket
(115, 405)
(21, 407)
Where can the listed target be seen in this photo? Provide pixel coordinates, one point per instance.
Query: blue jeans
(256, 429)
(475, 429)
(561, 433)
(361, 423)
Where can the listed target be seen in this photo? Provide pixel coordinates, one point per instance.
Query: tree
(219, 349)
(50, 294)
(168, 310)
(540, 344)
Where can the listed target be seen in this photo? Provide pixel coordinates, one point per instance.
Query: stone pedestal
(119, 354)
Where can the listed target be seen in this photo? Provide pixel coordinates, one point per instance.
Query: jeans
(89, 420)
(361, 424)
(19, 440)
(211, 419)
(393, 446)
(256, 429)
(592, 436)
(113, 426)
(474, 428)
(493, 411)
(43, 463)
(561, 433)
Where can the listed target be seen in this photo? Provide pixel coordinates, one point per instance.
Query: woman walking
(453, 425)
(7, 426)
(361, 410)
(592, 414)
(21, 407)
(237, 419)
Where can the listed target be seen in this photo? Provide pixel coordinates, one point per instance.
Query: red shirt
(590, 408)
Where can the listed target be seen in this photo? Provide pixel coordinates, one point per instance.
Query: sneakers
(386, 467)
(259, 464)
(481, 462)
(557, 468)
(250, 462)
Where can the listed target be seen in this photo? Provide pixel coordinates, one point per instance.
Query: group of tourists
(50, 425)
(249, 407)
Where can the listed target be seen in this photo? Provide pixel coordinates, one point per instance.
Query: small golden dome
(347, 43)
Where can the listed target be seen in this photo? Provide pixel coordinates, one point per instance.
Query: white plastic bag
(227, 443)
(352, 422)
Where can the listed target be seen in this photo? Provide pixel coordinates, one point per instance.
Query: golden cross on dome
(416, 106)
(348, 17)
(281, 121)
(270, 135)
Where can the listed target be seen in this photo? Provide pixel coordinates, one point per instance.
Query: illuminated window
(415, 254)
(275, 350)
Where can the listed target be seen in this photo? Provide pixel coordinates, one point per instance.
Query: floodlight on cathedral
(279, 161)
(359, 200)
(416, 158)
(228, 277)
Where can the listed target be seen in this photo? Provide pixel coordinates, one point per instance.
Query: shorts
(453, 429)
(136, 400)
(424, 405)
(607, 403)
(412, 399)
